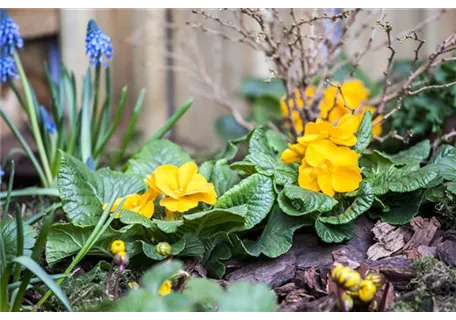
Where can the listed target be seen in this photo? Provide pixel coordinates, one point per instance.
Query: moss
(446, 211)
(434, 288)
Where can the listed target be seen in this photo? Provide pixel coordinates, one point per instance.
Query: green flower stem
(26, 148)
(95, 120)
(52, 192)
(33, 120)
(18, 95)
(172, 120)
(99, 229)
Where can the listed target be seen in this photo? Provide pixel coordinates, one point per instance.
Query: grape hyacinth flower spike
(7, 67)
(98, 44)
(10, 38)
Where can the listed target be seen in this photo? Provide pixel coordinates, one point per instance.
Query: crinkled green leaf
(413, 155)
(277, 237)
(256, 192)
(247, 297)
(155, 154)
(442, 152)
(8, 229)
(435, 194)
(83, 192)
(414, 180)
(363, 201)
(331, 233)
(203, 291)
(220, 174)
(150, 250)
(364, 134)
(65, 240)
(447, 167)
(266, 159)
(452, 187)
(276, 140)
(296, 201)
(213, 265)
(403, 208)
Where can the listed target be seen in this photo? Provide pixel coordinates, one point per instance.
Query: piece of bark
(285, 289)
(396, 270)
(324, 304)
(390, 240)
(387, 297)
(424, 231)
(274, 272)
(426, 251)
(446, 252)
(311, 280)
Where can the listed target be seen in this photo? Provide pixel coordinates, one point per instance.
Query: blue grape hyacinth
(98, 44)
(47, 121)
(10, 38)
(7, 67)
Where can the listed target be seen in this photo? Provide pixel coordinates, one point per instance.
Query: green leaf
(150, 250)
(447, 167)
(244, 296)
(220, 174)
(277, 141)
(277, 237)
(154, 278)
(452, 187)
(130, 217)
(331, 233)
(404, 208)
(213, 265)
(296, 201)
(47, 280)
(413, 155)
(201, 291)
(83, 192)
(442, 152)
(266, 159)
(227, 128)
(435, 194)
(253, 88)
(8, 230)
(364, 134)
(155, 154)
(414, 180)
(256, 192)
(65, 240)
(363, 201)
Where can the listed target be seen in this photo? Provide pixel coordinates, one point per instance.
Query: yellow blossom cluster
(182, 189)
(334, 105)
(327, 162)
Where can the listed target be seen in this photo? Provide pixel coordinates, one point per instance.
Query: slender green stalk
(100, 227)
(35, 280)
(20, 241)
(4, 289)
(38, 216)
(107, 108)
(85, 141)
(11, 153)
(33, 191)
(26, 148)
(33, 120)
(102, 143)
(172, 120)
(95, 120)
(131, 127)
(18, 95)
(10, 188)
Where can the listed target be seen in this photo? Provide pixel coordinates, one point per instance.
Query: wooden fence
(140, 40)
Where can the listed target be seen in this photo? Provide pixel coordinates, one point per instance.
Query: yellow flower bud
(376, 278)
(165, 288)
(367, 291)
(118, 247)
(133, 285)
(346, 277)
(164, 249)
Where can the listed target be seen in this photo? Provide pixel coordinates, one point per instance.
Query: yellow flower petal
(165, 288)
(294, 153)
(306, 179)
(325, 183)
(185, 174)
(346, 178)
(166, 180)
(319, 151)
(179, 205)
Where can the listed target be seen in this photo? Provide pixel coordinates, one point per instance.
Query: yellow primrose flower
(139, 203)
(182, 186)
(165, 288)
(294, 153)
(117, 247)
(332, 168)
(342, 134)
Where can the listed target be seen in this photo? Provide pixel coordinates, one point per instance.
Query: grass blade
(102, 143)
(86, 142)
(36, 280)
(131, 127)
(26, 148)
(47, 280)
(32, 191)
(172, 120)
